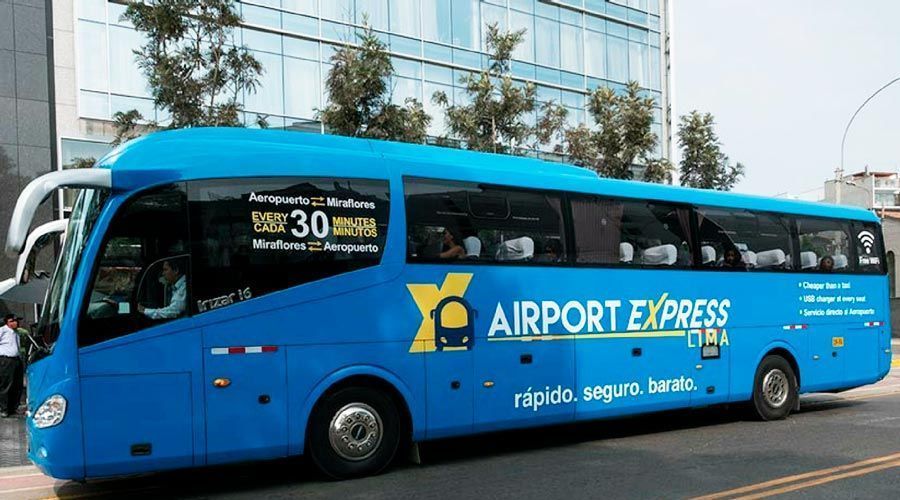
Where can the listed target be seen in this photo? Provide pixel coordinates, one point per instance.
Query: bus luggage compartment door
(861, 351)
(246, 403)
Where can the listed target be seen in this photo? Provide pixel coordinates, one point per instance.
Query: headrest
(808, 260)
(516, 249)
(707, 254)
(472, 245)
(770, 258)
(626, 252)
(840, 261)
(662, 255)
(749, 257)
(741, 246)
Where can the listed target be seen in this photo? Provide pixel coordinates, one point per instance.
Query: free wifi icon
(867, 239)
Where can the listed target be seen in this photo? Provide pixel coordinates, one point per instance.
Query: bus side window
(254, 236)
(140, 278)
(824, 245)
(869, 247)
(464, 222)
(735, 239)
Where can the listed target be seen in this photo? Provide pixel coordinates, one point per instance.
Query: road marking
(863, 467)
(823, 480)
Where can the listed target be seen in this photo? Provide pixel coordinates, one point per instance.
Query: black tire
(373, 455)
(775, 390)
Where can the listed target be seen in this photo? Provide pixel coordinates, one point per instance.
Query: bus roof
(201, 153)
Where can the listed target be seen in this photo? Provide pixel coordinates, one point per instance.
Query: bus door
(246, 400)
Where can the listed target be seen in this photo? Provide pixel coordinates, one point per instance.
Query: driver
(175, 280)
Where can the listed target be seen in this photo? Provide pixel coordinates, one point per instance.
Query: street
(838, 446)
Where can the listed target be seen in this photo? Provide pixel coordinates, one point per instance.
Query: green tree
(622, 136)
(196, 71)
(359, 103)
(703, 164)
(495, 117)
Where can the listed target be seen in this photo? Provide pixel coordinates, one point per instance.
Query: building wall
(570, 48)
(25, 119)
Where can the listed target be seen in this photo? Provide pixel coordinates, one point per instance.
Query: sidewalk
(12, 442)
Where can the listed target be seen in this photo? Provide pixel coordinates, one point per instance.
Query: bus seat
(707, 254)
(808, 260)
(770, 258)
(749, 258)
(742, 247)
(473, 247)
(626, 253)
(840, 261)
(662, 255)
(516, 249)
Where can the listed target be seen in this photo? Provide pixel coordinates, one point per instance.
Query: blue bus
(228, 295)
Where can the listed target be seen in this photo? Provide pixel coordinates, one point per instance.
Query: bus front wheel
(775, 390)
(354, 432)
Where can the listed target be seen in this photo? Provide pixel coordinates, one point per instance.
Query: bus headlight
(51, 412)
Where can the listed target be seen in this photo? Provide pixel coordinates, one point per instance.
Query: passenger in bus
(552, 252)
(732, 259)
(826, 264)
(177, 292)
(451, 249)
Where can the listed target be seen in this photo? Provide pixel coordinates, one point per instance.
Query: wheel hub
(355, 431)
(775, 388)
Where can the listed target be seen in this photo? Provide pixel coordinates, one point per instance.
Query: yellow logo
(427, 296)
(837, 341)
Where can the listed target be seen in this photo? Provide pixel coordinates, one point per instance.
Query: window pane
(308, 7)
(375, 10)
(519, 21)
(869, 247)
(740, 239)
(598, 232)
(492, 14)
(455, 221)
(141, 277)
(125, 77)
(824, 245)
(301, 81)
(257, 236)
(571, 48)
(92, 55)
(596, 54)
(405, 17)
(638, 63)
(268, 97)
(618, 59)
(340, 10)
(546, 42)
(466, 23)
(435, 14)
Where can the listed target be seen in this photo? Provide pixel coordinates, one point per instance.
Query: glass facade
(570, 47)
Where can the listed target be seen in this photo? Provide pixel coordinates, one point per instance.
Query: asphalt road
(838, 446)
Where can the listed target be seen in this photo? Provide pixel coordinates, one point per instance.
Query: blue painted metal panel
(246, 420)
(124, 411)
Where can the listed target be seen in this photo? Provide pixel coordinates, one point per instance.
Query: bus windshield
(84, 215)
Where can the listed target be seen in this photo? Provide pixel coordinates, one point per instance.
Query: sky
(783, 78)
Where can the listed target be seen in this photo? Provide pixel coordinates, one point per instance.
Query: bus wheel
(774, 388)
(354, 432)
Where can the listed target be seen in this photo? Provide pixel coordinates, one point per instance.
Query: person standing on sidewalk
(10, 367)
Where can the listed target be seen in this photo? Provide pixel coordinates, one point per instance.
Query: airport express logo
(448, 318)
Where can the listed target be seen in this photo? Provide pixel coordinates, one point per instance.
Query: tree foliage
(359, 101)
(196, 71)
(495, 117)
(703, 164)
(622, 136)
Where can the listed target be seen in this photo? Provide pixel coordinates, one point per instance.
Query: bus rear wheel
(775, 389)
(354, 432)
